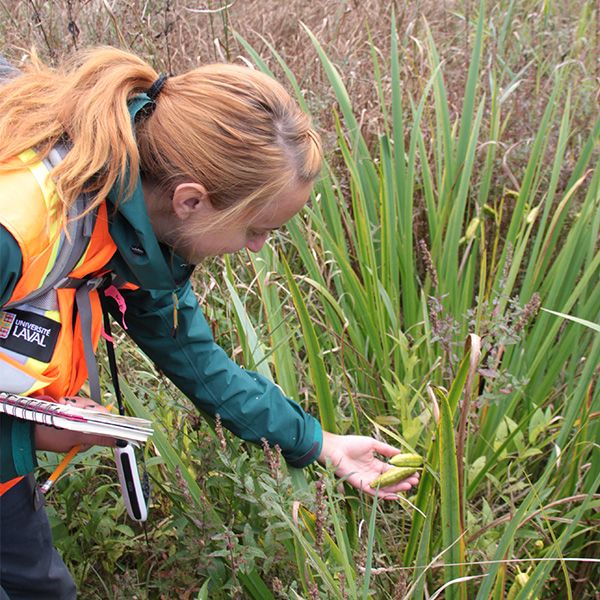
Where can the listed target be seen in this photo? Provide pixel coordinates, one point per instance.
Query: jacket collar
(150, 264)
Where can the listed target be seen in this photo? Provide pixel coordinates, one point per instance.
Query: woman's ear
(190, 199)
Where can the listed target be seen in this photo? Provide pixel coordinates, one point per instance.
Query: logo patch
(6, 321)
(29, 334)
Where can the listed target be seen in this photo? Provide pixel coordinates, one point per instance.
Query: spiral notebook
(64, 416)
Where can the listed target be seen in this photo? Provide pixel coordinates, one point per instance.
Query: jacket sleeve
(250, 406)
(17, 448)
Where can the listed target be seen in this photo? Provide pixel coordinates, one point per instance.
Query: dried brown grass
(175, 35)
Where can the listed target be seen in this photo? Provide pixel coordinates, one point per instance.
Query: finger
(71, 399)
(414, 479)
(77, 402)
(385, 449)
(97, 407)
(86, 403)
(383, 494)
(401, 486)
(360, 484)
(101, 440)
(92, 439)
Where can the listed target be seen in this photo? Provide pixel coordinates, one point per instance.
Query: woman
(171, 171)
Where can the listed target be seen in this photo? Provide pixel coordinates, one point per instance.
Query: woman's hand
(353, 457)
(62, 440)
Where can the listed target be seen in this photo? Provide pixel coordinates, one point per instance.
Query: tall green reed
(387, 319)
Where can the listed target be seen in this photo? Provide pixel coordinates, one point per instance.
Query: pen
(62, 465)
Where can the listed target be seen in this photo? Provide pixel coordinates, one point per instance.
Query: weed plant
(458, 205)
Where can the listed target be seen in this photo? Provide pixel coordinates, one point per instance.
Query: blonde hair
(232, 129)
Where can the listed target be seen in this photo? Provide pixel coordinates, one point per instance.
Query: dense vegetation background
(460, 198)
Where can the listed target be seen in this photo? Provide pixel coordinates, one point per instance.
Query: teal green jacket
(249, 405)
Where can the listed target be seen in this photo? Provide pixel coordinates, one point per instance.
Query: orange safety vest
(41, 343)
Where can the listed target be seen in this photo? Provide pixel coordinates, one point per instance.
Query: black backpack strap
(110, 351)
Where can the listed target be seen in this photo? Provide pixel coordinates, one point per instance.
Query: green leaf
(315, 357)
(594, 326)
(253, 347)
(450, 503)
(255, 586)
(203, 591)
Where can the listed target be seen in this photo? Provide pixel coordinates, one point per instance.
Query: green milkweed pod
(520, 582)
(393, 476)
(406, 460)
(521, 579)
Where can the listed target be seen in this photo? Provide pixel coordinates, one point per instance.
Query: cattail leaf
(450, 503)
(253, 348)
(315, 357)
(255, 586)
(584, 322)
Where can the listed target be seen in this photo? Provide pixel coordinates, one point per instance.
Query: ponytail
(86, 102)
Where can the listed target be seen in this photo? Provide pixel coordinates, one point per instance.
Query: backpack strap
(84, 307)
(83, 289)
(73, 242)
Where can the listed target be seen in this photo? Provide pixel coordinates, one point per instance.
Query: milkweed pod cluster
(405, 465)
